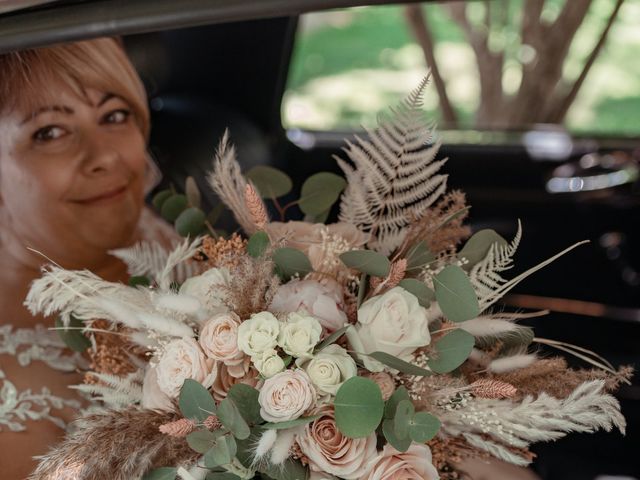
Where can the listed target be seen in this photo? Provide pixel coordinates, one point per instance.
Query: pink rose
(331, 452)
(224, 380)
(321, 299)
(219, 341)
(413, 464)
(286, 396)
(385, 382)
(182, 359)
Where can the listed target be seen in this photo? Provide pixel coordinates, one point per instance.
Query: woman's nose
(102, 155)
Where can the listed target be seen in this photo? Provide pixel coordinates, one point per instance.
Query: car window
(499, 65)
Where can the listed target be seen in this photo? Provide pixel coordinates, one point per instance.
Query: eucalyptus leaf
(362, 288)
(400, 394)
(173, 207)
(290, 423)
(358, 407)
(320, 218)
(423, 427)
(214, 214)
(289, 470)
(139, 281)
(160, 197)
(455, 294)
(192, 192)
(367, 261)
(162, 473)
(451, 351)
(195, 401)
(72, 335)
(418, 256)
(400, 365)
(231, 418)
(201, 440)
(257, 244)
(245, 398)
(423, 293)
(478, 246)
(221, 453)
(291, 261)
(221, 476)
(331, 339)
(404, 413)
(190, 222)
(270, 182)
(400, 444)
(319, 192)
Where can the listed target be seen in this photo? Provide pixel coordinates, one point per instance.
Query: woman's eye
(117, 116)
(49, 133)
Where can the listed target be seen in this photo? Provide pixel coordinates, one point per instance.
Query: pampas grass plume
(514, 362)
(282, 448)
(265, 444)
(485, 327)
(178, 303)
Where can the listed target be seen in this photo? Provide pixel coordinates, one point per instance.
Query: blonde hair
(26, 77)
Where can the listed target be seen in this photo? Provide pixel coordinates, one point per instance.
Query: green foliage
(190, 223)
(455, 294)
(139, 281)
(162, 473)
(214, 214)
(160, 197)
(202, 440)
(358, 407)
(400, 394)
(404, 413)
(400, 365)
(320, 192)
(290, 424)
(221, 453)
(291, 261)
(331, 339)
(173, 206)
(246, 399)
(221, 476)
(423, 293)
(270, 182)
(400, 444)
(418, 256)
(258, 243)
(192, 192)
(230, 416)
(367, 261)
(402, 424)
(289, 470)
(195, 401)
(72, 335)
(451, 351)
(423, 427)
(477, 247)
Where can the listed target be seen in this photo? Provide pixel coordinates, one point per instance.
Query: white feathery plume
(393, 176)
(113, 390)
(265, 444)
(165, 325)
(511, 363)
(495, 449)
(282, 447)
(180, 303)
(487, 327)
(183, 252)
(227, 181)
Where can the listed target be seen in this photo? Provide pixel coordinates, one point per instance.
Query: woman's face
(72, 175)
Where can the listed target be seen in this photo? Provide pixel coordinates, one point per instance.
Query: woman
(73, 129)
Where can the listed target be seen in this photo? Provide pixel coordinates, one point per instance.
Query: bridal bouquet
(371, 348)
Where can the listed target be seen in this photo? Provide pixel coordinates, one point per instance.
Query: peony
(182, 359)
(286, 396)
(394, 323)
(224, 380)
(299, 336)
(258, 334)
(210, 289)
(330, 368)
(393, 465)
(331, 452)
(152, 397)
(322, 299)
(268, 363)
(219, 341)
(385, 382)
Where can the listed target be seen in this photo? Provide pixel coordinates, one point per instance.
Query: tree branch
(422, 33)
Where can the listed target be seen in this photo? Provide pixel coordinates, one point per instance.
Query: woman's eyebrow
(51, 108)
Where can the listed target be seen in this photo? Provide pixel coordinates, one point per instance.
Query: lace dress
(29, 345)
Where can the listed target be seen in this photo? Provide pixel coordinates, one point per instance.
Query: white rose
(394, 323)
(219, 341)
(322, 299)
(152, 397)
(180, 360)
(268, 363)
(330, 368)
(258, 334)
(299, 336)
(286, 396)
(210, 288)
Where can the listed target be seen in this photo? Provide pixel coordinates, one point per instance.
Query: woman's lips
(105, 197)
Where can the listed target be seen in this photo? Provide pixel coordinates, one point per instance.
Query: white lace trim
(29, 345)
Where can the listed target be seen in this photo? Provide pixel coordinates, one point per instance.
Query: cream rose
(331, 452)
(152, 397)
(286, 396)
(322, 299)
(268, 363)
(299, 335)
(219, 341)
(210, 288)
(410, 465)
(183, 359)
(330, 368)
(394, 323)
(258, 334)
